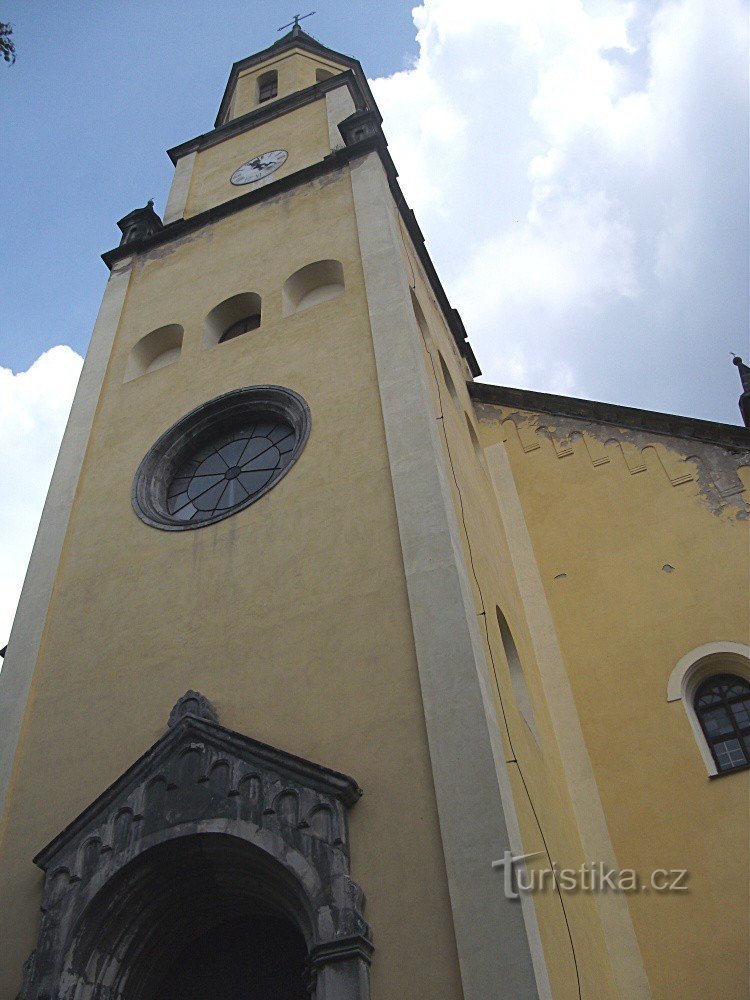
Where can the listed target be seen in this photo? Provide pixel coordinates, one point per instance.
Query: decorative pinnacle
(140, 223)
(294, 23)
(744, 371)
(192, 703)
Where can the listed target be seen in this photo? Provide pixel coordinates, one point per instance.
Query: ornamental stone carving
(203, 790)
(139, 224)
(192, 703)
(359, 126)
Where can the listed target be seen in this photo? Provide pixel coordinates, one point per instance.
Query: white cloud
(578, 169)
(34, 408)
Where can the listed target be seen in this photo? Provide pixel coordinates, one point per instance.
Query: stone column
(340, 970)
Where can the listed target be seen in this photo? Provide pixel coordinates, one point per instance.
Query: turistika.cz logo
(520, 878)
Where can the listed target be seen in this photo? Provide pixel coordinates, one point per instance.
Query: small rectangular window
(268, 86)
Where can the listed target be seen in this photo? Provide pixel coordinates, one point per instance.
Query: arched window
(517, 677)
(268, 86)
(231, 318)
(421, 321)
(449, 383)
(241, 326)
(691, 679)
(722, 704)
(478, 449)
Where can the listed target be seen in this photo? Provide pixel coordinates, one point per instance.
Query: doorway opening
(253, 957)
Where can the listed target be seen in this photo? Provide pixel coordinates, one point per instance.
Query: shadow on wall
(231, 318)
(517, 678)
(156, 350)
(314, 283)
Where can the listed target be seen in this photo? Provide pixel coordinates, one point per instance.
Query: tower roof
(296, 32)
(294, 39)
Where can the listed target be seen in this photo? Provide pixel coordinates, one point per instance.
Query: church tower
(329, 660)
(251, 527)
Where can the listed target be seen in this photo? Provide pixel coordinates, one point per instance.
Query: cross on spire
(294, 23)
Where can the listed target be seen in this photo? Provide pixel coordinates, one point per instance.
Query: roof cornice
(274, 109)
(653, 421)
(334, 161)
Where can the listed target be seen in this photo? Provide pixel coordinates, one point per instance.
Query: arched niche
(517, 676)
(448, 380)
(323, 74)
(317, 282)
(231, 318)
(207, 829)
(157, 349)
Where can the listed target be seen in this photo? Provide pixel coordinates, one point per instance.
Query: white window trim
(694, 668)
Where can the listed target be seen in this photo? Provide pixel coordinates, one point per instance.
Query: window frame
(210, 420)
(240, 327)
(266, 81)
(691, 671)
(737, 732)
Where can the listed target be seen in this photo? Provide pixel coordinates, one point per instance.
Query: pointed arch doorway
(194, 918)
(214, 866)
(248, 958)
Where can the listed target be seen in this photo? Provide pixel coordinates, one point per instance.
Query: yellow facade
(609, 550)
(303, 133)
(295, 71)
(303, 670)
(644, 558)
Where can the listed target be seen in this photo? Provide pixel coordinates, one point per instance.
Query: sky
(578, 168)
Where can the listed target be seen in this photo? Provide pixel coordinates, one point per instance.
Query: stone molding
(530, 403)
(200, 426)
(201, 780)
(714, 469)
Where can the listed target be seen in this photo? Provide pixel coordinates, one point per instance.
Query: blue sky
(629, 287)
(98, 93)
(578, 167)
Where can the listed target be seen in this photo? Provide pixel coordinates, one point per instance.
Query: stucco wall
(547, 820)
(303, 133)
(238, 609)
(641, 542)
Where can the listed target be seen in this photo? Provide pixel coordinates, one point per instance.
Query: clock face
(259, 166)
